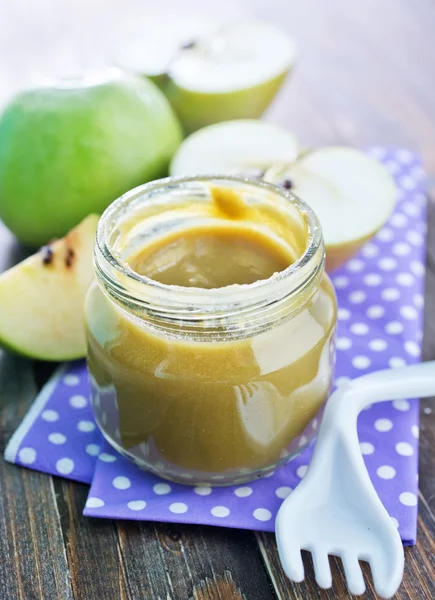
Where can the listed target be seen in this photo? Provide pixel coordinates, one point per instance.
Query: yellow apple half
(240, 147)
(212, 71)
(42, 298)
(352, 194)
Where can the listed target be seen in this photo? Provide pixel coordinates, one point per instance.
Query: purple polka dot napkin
(380, 295)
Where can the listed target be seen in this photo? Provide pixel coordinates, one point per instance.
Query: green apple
(72, 149)
(241, 147)
(214, 71)
(42, 298)
(352, 194)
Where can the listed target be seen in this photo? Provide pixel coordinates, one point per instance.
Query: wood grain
(364, 77)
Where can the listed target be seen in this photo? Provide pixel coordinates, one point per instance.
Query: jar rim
(201, 300)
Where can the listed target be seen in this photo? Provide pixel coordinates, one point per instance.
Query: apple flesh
(70, 150)
(212, 71)
(352, 194)
(241, 147)
(42, 298)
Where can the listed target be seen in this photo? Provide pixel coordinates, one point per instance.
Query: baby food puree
(217, 395)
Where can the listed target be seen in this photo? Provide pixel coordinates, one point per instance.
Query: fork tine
(354, 576)
(322, 568)
(385, 581)
(292, 564)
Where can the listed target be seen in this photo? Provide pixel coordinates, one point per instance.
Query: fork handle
(414, 381)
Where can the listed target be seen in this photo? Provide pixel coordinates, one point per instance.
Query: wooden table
(365, 76)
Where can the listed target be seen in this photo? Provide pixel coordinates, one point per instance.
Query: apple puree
(210, 408)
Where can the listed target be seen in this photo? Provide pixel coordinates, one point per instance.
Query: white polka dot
(283, 491)
(301, 471)
(243, 492)
(405, 279)
(377, 152)
(343, 343)
(418, 300)
(405, 156)
(396, 362)
(407, 182)
(343, 314)
(57, 438)
(50, 415)
(394, 327)
(359, 328)
(372, 279)
(342, 381)
(417, 268)
(361, 362)
(366, 448)
(418, 173)
(404, 449)
(262, 514)
(408, 312)
(399, 220)
(86, 426)
(271, 474)
(370, 251)
(392, 166)
(387, 263)
(378, 345)
(220, 511)
(341, 282)
(94, 502)
(385, 234)
(92, 449)
(402, 405)
(161, 488)
(383, 425)
(303, 441)
(415, 431)
(420, 199)
(357, 297)
(27, 455)
(375, 312)
(401, 249)
(395, 522)
(178, 508)
(355, 265)
(108, 458)
(386, 472)
(78, 401)
(121, 482)
(390, 294)
(408, 499)
(415, 238)
(202, 490)
(65, 466)
(412, 348)
(136, 504)
(71, 380)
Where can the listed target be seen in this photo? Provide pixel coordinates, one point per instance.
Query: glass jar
(209, 386)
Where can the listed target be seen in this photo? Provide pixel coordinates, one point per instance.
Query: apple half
(42, 298)
(352, 194)
(211, 71)
(240, 147)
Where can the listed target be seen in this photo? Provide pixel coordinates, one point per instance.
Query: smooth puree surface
(185, 407)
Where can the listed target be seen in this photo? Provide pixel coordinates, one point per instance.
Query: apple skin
(66, 152)
(337, 255)
(196, 109)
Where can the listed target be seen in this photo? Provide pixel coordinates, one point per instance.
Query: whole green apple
(70, 150)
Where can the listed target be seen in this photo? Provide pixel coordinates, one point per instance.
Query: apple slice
(240, 147)
(217, 71)
(42, 298)
(352, 194)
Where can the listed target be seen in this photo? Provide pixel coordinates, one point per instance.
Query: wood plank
(167, 560)
(33, 561)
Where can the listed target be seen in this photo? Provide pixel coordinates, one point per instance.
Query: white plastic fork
(335, 510)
